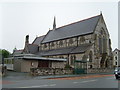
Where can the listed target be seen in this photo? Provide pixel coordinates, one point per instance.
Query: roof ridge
(78, 21)
(79, 24)
(37, 37)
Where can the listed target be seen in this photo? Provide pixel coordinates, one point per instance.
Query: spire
(54, 24)
(100, 12)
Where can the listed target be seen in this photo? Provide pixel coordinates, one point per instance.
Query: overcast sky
(18, 19)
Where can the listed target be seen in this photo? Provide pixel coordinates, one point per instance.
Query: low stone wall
(50, 71)
(100, 70)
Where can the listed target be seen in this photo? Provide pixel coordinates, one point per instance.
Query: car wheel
(116, 77)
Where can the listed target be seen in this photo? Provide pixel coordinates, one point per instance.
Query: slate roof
(38, 40)
(43, 58)
(83, 27)
(81, 49)
(18, 52)
(35, 57)
(32, 48)
(116, 50)
(63, 51)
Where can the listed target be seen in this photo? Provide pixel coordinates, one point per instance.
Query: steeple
(54, 24)
(100, 12)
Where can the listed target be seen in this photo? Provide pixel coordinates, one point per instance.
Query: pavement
(11, 75)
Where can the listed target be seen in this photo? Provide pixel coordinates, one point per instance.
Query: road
(96, 81)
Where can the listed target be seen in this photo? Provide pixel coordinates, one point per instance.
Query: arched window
(90, 56)
(71, 41)
(45, 45)
(52, 44)
(84, 57)
(82, 39)
(73, 58)
(61, 43)
(102, 41)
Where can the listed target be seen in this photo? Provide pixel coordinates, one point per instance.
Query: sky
(18, 19)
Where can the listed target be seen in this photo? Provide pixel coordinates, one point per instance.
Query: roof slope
(38, 40)
(32, 48)
(63, 51)
(83, 27)
(17, 52)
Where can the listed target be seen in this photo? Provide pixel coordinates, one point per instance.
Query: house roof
(116, 49)
(18, 52)
(69, 50)
(38, 40)
(82, 27)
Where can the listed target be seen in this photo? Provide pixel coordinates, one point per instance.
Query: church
(86, 41)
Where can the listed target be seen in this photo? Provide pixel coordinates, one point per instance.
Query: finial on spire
(36, 36)
(54, 23)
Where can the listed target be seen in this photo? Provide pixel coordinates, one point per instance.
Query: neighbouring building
(87, 42)
(116, 57)
(24, 62)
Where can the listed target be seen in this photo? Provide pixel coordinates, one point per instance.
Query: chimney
(26, 44)
(27, 39)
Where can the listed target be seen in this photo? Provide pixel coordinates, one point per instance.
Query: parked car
(117, 72)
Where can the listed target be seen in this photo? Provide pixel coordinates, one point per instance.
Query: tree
(4, 53)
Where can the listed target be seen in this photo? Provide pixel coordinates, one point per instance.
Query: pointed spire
(54, 23)
(100, 12)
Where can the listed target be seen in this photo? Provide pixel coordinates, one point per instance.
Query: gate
(80, 67)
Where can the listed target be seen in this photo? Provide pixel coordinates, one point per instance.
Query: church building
(87, 40)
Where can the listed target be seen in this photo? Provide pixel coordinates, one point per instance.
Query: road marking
(85, 81)
(75, 82)
(38, 86)
(52, 85)
(88, 81)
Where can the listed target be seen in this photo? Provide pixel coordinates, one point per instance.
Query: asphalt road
(92, 82)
